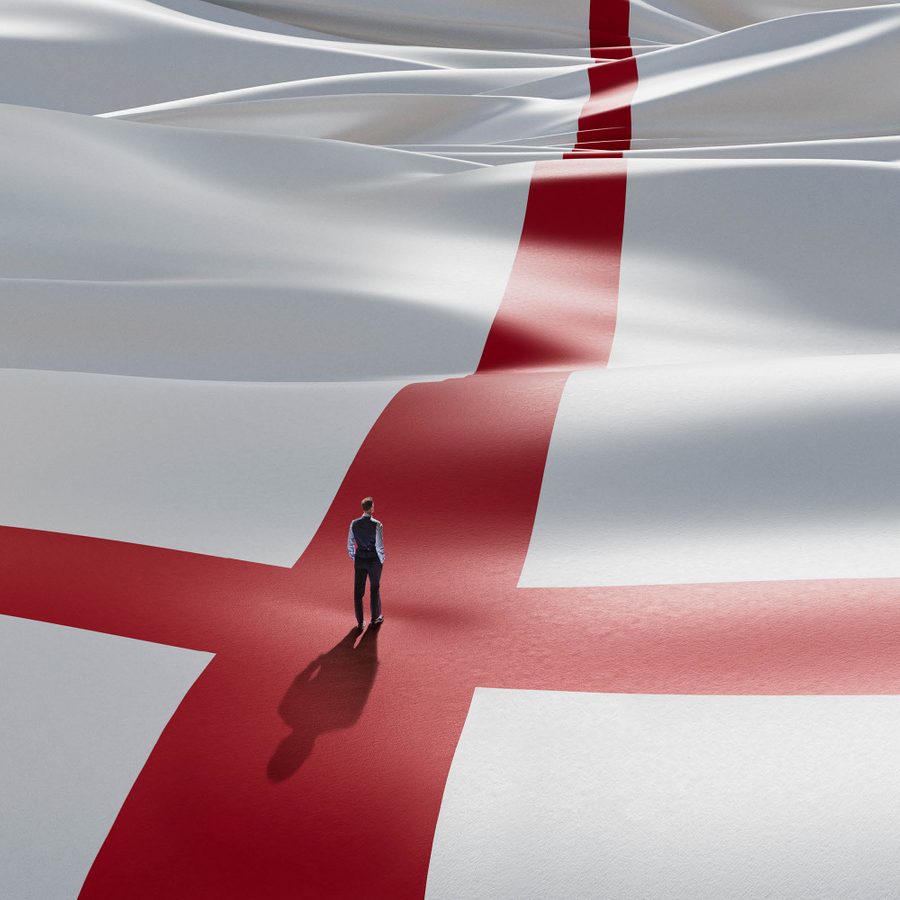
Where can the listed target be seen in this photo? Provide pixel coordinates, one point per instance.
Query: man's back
(365, 531)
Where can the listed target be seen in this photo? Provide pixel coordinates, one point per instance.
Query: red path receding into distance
(305, 764)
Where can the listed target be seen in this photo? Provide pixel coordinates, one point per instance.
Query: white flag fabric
(597, 299)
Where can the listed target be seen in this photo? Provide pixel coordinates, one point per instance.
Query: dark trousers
(372, 569)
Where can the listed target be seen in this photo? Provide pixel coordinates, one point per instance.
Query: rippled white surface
(289, 192)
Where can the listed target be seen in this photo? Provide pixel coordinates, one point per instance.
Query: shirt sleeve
(351, 544)
(379, 541)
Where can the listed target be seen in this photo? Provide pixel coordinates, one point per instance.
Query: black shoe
(360, 626)
(378, 621)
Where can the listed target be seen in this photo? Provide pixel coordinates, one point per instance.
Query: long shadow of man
(329, 694)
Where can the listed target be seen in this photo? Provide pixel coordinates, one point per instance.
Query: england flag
(598, 300)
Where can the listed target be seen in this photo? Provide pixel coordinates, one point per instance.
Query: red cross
(305, 764)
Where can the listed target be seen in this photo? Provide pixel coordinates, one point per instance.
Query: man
(365, 544)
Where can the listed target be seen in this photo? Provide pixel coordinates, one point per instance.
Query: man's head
(368, 505)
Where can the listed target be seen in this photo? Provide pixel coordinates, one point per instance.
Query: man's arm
(379, 541)
(351, 544)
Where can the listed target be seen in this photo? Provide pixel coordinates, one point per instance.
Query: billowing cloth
(597, 299)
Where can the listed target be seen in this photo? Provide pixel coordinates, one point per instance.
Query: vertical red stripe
(559, 310)
(609, 29)
(604, 128)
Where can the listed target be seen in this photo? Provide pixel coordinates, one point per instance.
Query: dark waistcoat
(364, 534)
